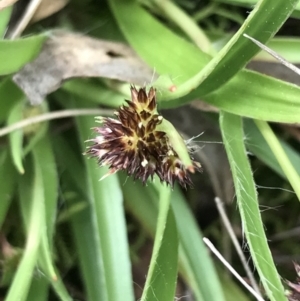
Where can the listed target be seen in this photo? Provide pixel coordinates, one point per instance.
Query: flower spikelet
(136, 143)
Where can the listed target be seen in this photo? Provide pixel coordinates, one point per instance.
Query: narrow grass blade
(16, 138)
(140, 203)
(10, 94)
(232, 98)
(187, 24)
(231, 290)
(256, 143)
(233, 56)
(238, 51)
(87, 247)
(107, 204)
(161, 278)
(250, 3)
(39, 290)
(14, 54)
(194, 250)
(195, 264)
(44, 158)
(8, 183)
(281, 156)
(185, 61)
(94, 92)
(39, 131)
(4, 18)
(232, 133)
(83, 225)
(35, 205)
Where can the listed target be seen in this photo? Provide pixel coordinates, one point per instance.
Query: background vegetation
(65, 235)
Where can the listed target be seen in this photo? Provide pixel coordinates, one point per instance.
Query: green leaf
(143, 31)
(14, 54)
(10, 94)
(250, 3)
(241, 95)
(8, 182)
(39, 289)
(44, 156)
(195, 264)
(4, 19)
(89, 253)
(189, 26)
(202, 273)
(109, 221)
(39, 132)
(238, 51)
(189, 61)
(19, 288)
(16, 137)
(232, 133)
(256, 143)
(95, 92)
(231, 290)
(161, 278)
(281, 156)
(26, 184)
(85, 233)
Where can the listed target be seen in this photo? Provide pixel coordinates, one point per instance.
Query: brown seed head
(132, 142)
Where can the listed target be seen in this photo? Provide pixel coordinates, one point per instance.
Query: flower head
(141, 142)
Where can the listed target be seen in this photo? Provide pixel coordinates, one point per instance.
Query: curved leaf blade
(232, 133)
(162, 275)
(4, 19)
(256, 96)
(256, 143)
(19, 288)
(8, 182)
(10, 94)
(281, 156)
(14, 54)
(16, 137)
(85, 233)
(107, 204)
(195, 264)
(238, 51)
(242, 95)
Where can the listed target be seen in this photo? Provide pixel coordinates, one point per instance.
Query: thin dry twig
(25, 19)
(282, 60)
(226, 222)
(52, 115)
(231, 269)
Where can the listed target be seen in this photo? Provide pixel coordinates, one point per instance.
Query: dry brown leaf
(68, 55)
(6, 3)
(48, 8)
